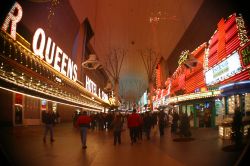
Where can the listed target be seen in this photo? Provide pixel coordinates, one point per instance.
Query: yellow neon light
(51, 68)
(50, 100)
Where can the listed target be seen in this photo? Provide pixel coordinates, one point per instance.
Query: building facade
(44, 71)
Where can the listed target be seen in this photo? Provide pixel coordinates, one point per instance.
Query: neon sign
(245, 55)
(105, 96)
(91, 86)
(183, 57)
(13, 17)
(54, 56)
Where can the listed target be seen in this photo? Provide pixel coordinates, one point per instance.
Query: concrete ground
(23, 146)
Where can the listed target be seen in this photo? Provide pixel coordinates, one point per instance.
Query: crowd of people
(139, 125)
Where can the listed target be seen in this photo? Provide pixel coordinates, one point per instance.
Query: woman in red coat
(83, 122)
(134, 121)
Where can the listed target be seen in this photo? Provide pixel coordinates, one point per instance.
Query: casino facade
(38, 70)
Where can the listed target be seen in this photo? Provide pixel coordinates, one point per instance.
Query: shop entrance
(204, 114)
(18, 115)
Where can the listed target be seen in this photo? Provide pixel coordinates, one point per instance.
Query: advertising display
(43, 104)
(245, 55)
(224, 70)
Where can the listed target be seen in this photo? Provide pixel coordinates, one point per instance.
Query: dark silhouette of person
(48, 118)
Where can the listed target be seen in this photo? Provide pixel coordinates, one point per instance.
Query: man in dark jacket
(48, 118)
(83, 122)
(162, 122)
(148, 121)
(174, 125)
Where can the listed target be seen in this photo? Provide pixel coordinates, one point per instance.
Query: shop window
(32, 108)
(219, 107)
(233, 102)
(247, 103)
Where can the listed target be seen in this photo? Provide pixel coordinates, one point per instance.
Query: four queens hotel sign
(43, 47)
(53, 54)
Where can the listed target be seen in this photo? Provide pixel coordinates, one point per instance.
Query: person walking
(133, 124)
(117, 127)
(48, 118)
(83, 122)
(170, 119)
(140, 128)
(174, 125)
(147, 122)
(162, 122)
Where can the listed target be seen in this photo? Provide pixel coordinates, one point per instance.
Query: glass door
(18, 114)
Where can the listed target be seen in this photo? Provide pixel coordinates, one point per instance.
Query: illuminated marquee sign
(245, 55)
(13, 17)
(53, 55)
(105, 96)
(91, 86)
(223, 70)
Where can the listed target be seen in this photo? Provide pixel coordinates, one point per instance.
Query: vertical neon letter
(13, 17)
(39, 51)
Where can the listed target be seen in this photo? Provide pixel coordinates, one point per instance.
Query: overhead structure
(150, 60)
(112, 65)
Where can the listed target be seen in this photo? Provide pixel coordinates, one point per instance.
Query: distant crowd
(139, 125)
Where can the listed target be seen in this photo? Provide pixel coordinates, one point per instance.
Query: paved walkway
(24, 146)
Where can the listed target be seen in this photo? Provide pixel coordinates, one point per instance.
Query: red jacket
(83, 121)
(134, 120)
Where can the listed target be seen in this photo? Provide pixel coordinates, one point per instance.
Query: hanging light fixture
(91, 63)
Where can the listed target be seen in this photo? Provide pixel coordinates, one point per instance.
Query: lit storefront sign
(90, 85)
(19, 80)
(53, 55)
(105, 96)
(194, 96)
(144, 99)
(224, 70)
(13, 17)
(43, 104)
(245, 55)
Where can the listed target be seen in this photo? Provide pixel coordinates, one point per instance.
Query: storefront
(227, 67)
(41, 78)
(213, 80)
(235, 95)
(200, 107)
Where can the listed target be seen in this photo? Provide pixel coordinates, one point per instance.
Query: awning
(235, 88)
